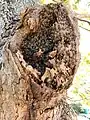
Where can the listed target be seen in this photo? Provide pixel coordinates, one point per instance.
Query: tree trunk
(39, 63)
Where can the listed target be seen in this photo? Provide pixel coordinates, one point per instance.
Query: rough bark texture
(39, 63)
(9, 16)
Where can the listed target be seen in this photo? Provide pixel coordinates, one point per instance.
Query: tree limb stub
(40, 62)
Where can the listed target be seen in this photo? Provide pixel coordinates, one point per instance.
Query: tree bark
(39, 63)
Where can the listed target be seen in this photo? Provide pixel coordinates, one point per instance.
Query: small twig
(84, 28)
(83, 20)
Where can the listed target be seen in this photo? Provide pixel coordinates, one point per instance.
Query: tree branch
(82, 17)
(84, 28)
(84, 20)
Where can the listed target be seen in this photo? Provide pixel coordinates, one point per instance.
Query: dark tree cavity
(56, 36)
